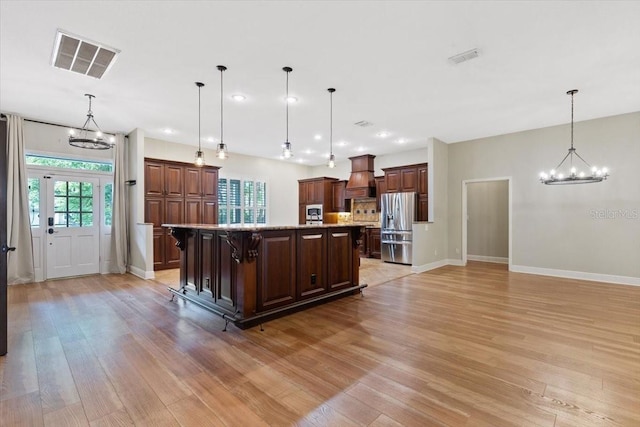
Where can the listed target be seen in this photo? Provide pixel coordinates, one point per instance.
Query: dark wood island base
(249, 275)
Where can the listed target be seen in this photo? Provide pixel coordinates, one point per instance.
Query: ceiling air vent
(82, 56)
(464, 56)
(363, 123)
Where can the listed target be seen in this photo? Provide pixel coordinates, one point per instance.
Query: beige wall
(49, 139)
(488, 219)
(559, 227)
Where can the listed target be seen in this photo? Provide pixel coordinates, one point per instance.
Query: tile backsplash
(365, 210)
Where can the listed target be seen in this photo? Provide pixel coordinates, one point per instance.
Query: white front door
(72, 226)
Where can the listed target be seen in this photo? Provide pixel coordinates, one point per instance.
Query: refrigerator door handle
(397, 242)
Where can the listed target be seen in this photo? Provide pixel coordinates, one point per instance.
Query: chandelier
(556, 176)
(86, 138)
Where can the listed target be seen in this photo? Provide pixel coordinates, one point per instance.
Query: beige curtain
(119, 220)
(20, 262)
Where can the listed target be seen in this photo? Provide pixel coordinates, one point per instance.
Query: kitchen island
(251, 274)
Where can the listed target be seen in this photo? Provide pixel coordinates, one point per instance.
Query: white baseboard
(433, 265)
(147, 275)
(568, 274)
(483, 258)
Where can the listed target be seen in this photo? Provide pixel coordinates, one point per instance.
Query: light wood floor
(474, 346)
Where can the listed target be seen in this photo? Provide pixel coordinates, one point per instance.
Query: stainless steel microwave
(314, 213)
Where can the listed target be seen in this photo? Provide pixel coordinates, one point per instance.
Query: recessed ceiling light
(291, 99)
(317, 137)
(211, 139)
(238, 97)
(401, 141)
(360, 149)
(382, 134)
(342, 143)
(301, 160)
(167, 131)
(308, 151)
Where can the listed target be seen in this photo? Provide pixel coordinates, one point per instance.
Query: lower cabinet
(373, 243)
(276, 269)
(312, 260)
(340, 259)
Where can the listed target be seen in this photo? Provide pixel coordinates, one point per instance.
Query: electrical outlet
(313, 279)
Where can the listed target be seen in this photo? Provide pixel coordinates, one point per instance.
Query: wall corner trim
(147, 275)
(437, 264)
(580, 275)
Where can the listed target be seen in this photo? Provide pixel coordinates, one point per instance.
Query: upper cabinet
(409, 178)
(315, 191)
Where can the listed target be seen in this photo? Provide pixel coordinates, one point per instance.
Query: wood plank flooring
(457, 346)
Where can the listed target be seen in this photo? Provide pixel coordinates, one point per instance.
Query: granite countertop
(241, 227)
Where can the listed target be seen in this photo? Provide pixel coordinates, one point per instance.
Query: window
(56, 162)
(108, 204)
(242, 201)
(73, 204)
(34, 202)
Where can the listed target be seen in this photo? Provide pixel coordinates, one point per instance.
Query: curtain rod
(4, 117)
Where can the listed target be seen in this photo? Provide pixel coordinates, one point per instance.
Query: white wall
(593, 229)
(51, 139)
(488, 220)
(281, 176)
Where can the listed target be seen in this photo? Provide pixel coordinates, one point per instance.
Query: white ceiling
(387, 61)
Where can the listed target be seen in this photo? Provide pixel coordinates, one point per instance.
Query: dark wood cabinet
(410, 178)
(312, 260)
(373, 243)
(315, 191)
(177, 193)
(340, 261)
(277, 274)
(340, 204)
(381, 188)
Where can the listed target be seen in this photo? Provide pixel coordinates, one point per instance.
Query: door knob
(50, 231)
(6, 248)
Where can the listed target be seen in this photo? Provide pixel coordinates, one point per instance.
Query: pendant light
(85, 139)
(222, 152)
(199, 154)
(287, 153)
(556, 177)
(332, 158)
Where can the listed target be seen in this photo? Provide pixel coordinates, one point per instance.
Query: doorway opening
(486, 220)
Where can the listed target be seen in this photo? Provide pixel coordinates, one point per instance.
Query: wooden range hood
(361, 182)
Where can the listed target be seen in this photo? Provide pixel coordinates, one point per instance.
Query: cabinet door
(302, 193)
(210, 183)
(193, 211)
(312, 262)
(338, 189)
(302, 214)
(276, 269)
(423, 204)
(409, 179)
(158, 248)
(318, 191)
(381, 188)
(174, 211)
(393, 181)
(340, 258)
(209, 211)
(373, 243)
(174, 180)
(422, 181)
(192, 182)
(311, 195)
(153, 178)
(172, 253)
(154, 211)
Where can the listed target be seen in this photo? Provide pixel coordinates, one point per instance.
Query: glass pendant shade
(332, 161)
(221, 151)
(287, 153)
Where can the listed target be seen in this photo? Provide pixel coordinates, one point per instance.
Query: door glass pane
(87, 189)
(108, 203)
(34, 202)
(60, 204)
(87, 204)
(73, 188)
(60, 188)
(87, 219)
(73, 220)
(73, 204)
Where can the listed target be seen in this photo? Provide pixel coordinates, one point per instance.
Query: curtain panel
(20, 267)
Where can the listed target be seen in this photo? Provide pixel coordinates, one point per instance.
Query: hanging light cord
(287, 99)
(331, 122)
(221, 107)
(572, 150)
(199, 148)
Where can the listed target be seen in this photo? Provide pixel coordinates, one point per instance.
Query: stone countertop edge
(260, 227)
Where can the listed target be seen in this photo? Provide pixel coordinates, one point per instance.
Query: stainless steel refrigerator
(397, 213)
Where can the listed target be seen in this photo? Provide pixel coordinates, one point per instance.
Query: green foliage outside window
(68, 163)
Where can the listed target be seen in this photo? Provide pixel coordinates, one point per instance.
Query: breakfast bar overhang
(251, 274)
